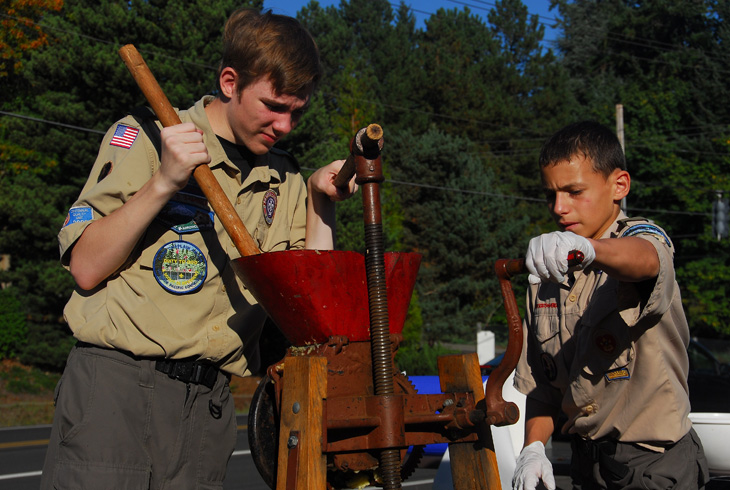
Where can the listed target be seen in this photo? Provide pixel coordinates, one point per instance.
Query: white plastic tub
(714, 431)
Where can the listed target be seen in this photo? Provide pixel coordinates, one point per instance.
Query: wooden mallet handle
(203, 175)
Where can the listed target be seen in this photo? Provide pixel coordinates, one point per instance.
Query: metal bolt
(292, 442)
(448, 402)
(296, 407)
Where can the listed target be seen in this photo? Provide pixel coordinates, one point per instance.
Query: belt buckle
(184, 371)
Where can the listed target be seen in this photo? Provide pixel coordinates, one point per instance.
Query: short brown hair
(587, 138)
(257, 44)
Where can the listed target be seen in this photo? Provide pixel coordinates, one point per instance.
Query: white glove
(533, 466)
(547, 255)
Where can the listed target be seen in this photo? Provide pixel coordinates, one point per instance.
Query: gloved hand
(533, 466)
(547, 255)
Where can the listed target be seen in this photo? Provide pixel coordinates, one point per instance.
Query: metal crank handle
(509, 268)
(499, 411)
(367, 142)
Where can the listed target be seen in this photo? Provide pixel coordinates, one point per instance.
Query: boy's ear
(622, 184)
(228, 81)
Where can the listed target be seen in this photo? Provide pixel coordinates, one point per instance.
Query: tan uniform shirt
(611, 354)
(131, 311)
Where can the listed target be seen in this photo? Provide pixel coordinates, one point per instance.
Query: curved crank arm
(367, 142)
(499, 411)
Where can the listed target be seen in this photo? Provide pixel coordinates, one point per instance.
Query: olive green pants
(120, 424)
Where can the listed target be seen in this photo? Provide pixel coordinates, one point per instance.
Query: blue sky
(423, 8)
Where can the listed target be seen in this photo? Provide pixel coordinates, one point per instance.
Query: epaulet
(643, 227)
(146, 119)
(285, 154)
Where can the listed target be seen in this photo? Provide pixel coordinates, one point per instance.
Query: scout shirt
(132, 311)
(612, 355)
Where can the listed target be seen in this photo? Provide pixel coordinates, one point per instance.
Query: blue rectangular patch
(79, 214)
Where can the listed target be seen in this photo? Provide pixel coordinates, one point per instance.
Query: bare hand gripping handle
(203, 175)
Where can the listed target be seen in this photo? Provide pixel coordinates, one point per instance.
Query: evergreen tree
(664, 61)
(459, 225)
(68, 92)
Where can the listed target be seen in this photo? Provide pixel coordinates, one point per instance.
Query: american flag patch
(124, 136)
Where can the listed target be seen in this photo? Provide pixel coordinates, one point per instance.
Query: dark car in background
(709, 380)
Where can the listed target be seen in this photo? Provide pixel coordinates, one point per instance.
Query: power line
(435, 114)
(54, 123)
(393, 181)
(490, 153)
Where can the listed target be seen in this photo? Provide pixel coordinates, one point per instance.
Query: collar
(613, 230)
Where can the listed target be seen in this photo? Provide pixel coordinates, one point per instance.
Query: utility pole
(620, 135)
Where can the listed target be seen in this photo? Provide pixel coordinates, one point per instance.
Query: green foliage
(704, 285)
(458, 227)
(49, 342)
(28, 381)
(78, 79)
(665, 62)
(13, 329)
(465, 105)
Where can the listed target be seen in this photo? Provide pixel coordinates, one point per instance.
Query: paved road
(23, 449)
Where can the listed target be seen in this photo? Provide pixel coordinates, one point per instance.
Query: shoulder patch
(624, 223)
(648, 229)
(78, 214)
(124, 136)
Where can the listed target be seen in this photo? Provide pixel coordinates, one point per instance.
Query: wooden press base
(303, 466)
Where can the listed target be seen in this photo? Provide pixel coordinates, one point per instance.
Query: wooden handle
(203, 175)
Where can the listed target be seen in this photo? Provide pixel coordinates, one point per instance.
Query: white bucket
(714, 431)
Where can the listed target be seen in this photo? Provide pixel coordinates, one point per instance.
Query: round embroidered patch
(269, 205)
(180, 267)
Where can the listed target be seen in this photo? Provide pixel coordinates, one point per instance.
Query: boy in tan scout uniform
(161, 319)
(605, 341)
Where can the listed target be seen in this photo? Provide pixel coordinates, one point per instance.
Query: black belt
(602, 452)
(594, 449)
(186, 370)
(195, 372)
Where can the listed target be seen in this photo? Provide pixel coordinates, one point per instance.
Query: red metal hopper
(314, 294)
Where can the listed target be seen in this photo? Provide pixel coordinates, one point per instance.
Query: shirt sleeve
(126, 160)
(637, 302)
